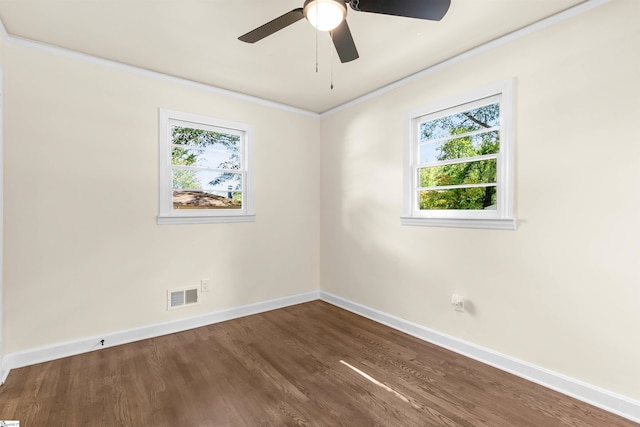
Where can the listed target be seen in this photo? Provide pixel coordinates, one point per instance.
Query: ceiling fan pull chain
(331, 60)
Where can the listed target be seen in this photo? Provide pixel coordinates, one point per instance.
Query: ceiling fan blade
(343, 41)
(272, 26)
(433, 10)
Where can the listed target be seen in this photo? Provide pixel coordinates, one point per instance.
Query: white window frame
(169, 215)
(501, 218)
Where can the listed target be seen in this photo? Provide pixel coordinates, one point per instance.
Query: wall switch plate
(204, 285)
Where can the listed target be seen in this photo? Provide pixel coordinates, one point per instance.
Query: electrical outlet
(457, 301)
(204, 285)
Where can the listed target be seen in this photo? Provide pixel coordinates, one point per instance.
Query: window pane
(204, 139)
(468, 146)
(476, 198)
(195, 199)
(478, 172)
(205, 158)
(467, 121)
(206, 180)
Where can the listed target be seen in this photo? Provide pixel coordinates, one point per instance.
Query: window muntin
(458, 162)
(205, 169)
(431, 151)
(461, 151)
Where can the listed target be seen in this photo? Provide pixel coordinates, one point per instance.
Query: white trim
(501, 218)
(463, 135)
(455, 161)
(480, 223)
(3, 31)
(177, 219)
(85, 345)
(515, 35)
(593, 395)
(166, 213)
(500, 41)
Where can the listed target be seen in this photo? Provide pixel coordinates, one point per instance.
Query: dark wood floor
(310, 365)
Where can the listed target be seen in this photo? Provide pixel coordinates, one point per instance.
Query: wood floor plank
(311, 364)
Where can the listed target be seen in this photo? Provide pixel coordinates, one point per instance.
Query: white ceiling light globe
(325, 15)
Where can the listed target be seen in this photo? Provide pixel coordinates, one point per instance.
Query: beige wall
(562, 291)
(2, 352)
(83, 253)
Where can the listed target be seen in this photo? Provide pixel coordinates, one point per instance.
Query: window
(205, 170)
(458, 162)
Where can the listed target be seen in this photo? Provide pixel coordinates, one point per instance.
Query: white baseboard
(593, 395)
(3, 372)
(596, 396)
(85, 345)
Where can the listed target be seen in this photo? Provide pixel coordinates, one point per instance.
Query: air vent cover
(182, 297)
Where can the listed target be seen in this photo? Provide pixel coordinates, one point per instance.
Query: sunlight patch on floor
(378, 383)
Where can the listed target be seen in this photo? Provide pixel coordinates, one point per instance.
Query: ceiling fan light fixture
(325, 15)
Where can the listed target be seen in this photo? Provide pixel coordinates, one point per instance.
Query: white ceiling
(197, 40)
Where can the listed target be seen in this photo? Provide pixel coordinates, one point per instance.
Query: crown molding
(3, 31)
(32, 44)
(493, 44)
(579, 9)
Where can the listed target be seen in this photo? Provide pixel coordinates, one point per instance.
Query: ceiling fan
(330, 15)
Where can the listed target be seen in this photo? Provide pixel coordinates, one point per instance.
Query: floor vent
(177, 298)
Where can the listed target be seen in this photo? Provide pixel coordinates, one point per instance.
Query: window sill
(488, 224)
(175, 219)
